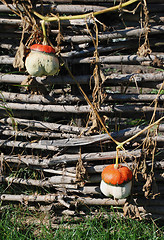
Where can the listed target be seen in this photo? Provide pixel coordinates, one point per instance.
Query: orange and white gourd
(116, 181)
(42, 61)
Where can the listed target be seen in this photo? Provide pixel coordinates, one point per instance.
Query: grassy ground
(18, 223)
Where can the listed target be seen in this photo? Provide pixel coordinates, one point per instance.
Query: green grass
(20, 223)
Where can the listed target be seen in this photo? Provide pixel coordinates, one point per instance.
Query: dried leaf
(158, 62)
(20, 54)
(81, 173)
(131, 210)
(103, 77)
(150, 188)
(144, 50)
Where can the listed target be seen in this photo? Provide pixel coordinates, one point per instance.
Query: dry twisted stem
(97, 93)
(150, 188)
(144, 49)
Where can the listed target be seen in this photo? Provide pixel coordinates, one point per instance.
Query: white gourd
(40, 64)
(117, 192)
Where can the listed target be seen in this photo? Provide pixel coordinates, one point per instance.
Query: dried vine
(145, 49)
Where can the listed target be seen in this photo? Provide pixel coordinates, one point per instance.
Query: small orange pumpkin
(116, 181)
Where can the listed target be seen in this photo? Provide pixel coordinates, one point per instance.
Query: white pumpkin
(42, 61)
(117, 192)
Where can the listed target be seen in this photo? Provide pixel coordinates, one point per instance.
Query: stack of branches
(45, 140)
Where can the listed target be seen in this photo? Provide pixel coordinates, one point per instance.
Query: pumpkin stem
(44, 32)
(117, 152)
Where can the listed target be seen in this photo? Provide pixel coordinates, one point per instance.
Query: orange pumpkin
(116, 182)
(112, 175)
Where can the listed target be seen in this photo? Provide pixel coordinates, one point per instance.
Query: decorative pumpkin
(116, 181)
(42, 61)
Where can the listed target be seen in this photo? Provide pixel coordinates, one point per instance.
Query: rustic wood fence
(44, 141)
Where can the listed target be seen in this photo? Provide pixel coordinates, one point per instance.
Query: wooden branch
(78, 39)
(96, 190)
(64, 181)
(128, 59)
(50, 182)
(133, 97)
(122, 134)
(105, 48)
(5, 59)
(7, 132)
(84, 79)
(61, 172)
(70, 99)
(49, 198)
(78, 109)
(19, 144)
(76, 9)
(43, 164)
(44, 125)
(10, 21)
(155, 17)
(134, 77)
(96, 1)
(86, 140)
(99, 168)
(18, 97)
(149, 210)
(103, 1)
(58, 8)
(12, 78)
(72, 22)
(101, 49)
(92, 179)
(70, 158)
(120, 202)
(158, 139)
(115, 34)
